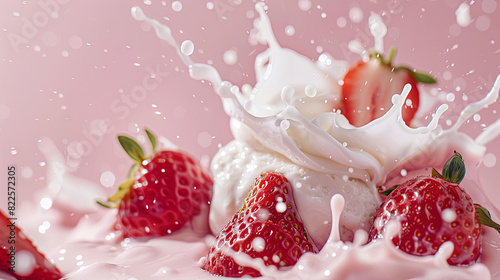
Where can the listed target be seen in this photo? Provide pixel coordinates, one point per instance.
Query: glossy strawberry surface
(267, 227)
(431, 211)
(368, 89)
(15, 247)
(169, 190)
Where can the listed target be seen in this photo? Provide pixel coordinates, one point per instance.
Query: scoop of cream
(236, 166)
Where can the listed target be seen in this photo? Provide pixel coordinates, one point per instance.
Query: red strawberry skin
(419, 204)
(43, 269)
(170, 190)
(267, 227)
(368, 89)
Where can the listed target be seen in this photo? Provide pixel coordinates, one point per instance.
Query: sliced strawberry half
(368, 88)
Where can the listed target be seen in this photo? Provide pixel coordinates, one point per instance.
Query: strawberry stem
(123, 189)
(454, 169)
(484, 217)
(392, 54)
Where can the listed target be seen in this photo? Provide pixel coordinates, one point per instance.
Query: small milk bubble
(187, 47)
(448, 215)
(46, 203)
(177, 6)
(285, 124)
(281, 207)
(476, 117)
(490, 160)
(341, 22)
(258, 244)
(210, 5)
(356, 14)
(289, 30)
(108, 179)
(25, 262)
(27, 172)
(483, 23)
(310, 91)
(75, 42)
(230, 57)
(205, 139)
(450, 97)
(305, 5)
(447, 75)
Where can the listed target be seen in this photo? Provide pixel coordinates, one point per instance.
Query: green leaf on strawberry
(133, 149)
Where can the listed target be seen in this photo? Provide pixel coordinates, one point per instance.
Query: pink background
(78, 72)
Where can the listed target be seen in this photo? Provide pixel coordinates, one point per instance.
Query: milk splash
(280, 115)
(294, 114)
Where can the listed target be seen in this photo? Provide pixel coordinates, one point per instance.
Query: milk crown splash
(279, 114)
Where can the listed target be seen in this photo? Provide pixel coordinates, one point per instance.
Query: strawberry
(164, 192)
(368, 88)
(17, 251)
(267, 227)
(432, 210)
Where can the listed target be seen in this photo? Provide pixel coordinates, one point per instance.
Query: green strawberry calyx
(418, 76)
(136, 152)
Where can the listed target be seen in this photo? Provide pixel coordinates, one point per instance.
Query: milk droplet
(205, 139)
(177, 6)
(210, 5)
(305, 5)
(490, 160)
(276, 259)
(46, 203)
(27, 172)
(289, 30)
(285, 124)
(75, 42)
(341, 22)
(258, 244)
(281, 207)
(463, 15)
(187, 47)
(108, 179)
(483, 23)
(448, 215)
(489, 6)
(450, 97)
(287, 94)
(137, 13)
(230, 57)
(25, 263)
(310, 91)
(476, 117)
(356, 14)
(263, 215)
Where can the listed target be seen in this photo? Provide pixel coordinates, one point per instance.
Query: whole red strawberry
(16, 251)
(267, 227)
(164, 193)
(368, 88)
(433, 210)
